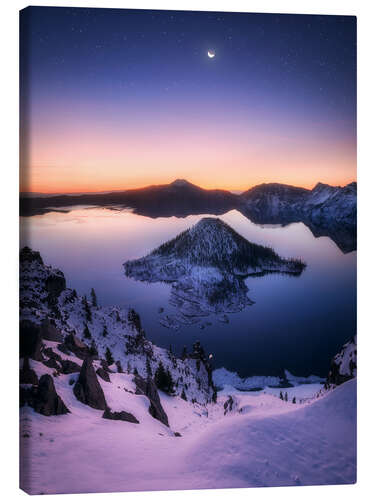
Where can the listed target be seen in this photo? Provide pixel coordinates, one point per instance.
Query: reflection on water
(297, 324)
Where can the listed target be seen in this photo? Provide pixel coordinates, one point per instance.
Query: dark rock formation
(50, 332)
(103, 374)
(87, 389)
(68, 367)
(120, 415)
(44, 398)
(52, 363)
(63, 348)
(344, 364)
(27, 375)
(149, 389)
(30, 340)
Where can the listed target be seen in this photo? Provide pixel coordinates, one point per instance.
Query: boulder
(44, 398)
(68, 367)
(63, 348)
(27, 375)
(149, 389)
(50, 353)
(87, 388)
(30, 340)
(120, 415)
(103, 374)
(52, 363)
(50, 332)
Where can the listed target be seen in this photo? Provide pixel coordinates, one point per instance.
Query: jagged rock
(68, 367)
(344, 364)
(149, 389)
(27, 375)
(177, 434)
(120, 415)
(231, 404)
(50, 332)
(30, 340)
(44, 398)
(103, 374)
(87, 389)
(76, 346)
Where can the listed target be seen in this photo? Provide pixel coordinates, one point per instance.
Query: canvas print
(188, 250)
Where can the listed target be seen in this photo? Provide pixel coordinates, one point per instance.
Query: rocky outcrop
(230, 405)
(120, 415)
(50, 332)
(68, 367)
(27, 375)
(149, 389)
(44, 398)
(344, 364)
(87, 388)
(30, 340)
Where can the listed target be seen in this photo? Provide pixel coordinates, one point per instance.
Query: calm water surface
(296, 323)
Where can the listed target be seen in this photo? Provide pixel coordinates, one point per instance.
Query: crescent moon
(211, 54)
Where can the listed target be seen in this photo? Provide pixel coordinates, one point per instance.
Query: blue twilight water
(296, 323)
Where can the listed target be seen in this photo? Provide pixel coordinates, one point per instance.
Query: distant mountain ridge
(326, 210)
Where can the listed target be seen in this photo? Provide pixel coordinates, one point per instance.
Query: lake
(297, 323)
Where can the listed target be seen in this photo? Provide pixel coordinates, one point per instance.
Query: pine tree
(86, 332)
(93, 348)
(163, 379)
(86, 308)
(184, 353)
(109, 357)
(105, 331)
(94, 299)
(214, 396)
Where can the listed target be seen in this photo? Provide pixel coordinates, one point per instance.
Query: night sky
(112, 99)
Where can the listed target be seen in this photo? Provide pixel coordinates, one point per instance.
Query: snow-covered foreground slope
(262, 442)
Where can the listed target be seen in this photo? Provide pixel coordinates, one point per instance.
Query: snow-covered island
(103, 409)
(206, 266)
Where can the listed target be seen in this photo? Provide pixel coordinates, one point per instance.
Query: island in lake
(207, 265)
